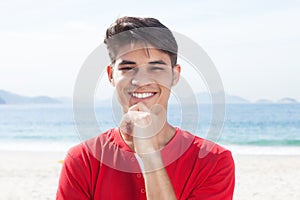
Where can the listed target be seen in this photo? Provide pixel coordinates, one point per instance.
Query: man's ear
(176, 74)
(109, 70)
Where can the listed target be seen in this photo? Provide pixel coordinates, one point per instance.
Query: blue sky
(254, 44)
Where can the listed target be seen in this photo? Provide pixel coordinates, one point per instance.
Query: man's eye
(157, 68)
(126, 68)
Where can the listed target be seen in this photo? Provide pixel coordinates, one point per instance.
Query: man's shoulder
(90, 146)
(205, 146)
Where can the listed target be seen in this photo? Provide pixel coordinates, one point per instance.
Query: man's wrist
(150, 161)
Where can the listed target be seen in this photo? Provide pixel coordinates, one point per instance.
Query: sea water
(246, 128)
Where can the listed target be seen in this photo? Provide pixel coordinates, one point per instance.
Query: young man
(145, 157)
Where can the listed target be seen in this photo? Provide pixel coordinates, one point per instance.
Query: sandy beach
(34, 175)
(267, 177)
(29, 175)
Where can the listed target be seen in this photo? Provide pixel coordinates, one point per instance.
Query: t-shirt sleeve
(220, 182)
(74, 177)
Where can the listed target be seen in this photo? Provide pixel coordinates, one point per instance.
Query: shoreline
(34, 175)
(57, 146)
(262, 150)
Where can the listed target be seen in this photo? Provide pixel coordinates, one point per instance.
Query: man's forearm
(157, 182)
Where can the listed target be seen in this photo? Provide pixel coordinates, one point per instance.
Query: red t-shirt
(105, 168)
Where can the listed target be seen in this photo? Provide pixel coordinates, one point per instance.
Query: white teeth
(142, 95)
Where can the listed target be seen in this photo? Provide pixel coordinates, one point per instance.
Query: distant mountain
(205, 98)
(231, 99)
(287, 100)
(264, 101)
(2, 101)
(202, 98)
(12, 98)
(65, 100)
(43, 99)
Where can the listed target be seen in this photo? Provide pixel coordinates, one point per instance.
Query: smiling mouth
(142, 95)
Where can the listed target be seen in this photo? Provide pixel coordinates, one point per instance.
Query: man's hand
(143, 126)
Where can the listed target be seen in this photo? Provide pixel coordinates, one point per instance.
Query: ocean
(247, 129)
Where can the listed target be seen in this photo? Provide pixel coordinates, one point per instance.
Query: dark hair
(130, 30)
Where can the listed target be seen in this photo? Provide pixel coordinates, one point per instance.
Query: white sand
(34, 175)
(266, 177)
(29, 175)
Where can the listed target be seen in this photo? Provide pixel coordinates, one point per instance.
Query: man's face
(143, 75)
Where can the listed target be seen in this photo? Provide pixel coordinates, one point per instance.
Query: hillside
(12, 98)
(2, 101)
(287, 100)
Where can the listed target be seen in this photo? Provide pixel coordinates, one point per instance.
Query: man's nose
(142, 77)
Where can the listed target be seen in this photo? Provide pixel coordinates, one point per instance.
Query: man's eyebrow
(160, 62)
(127, 62)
